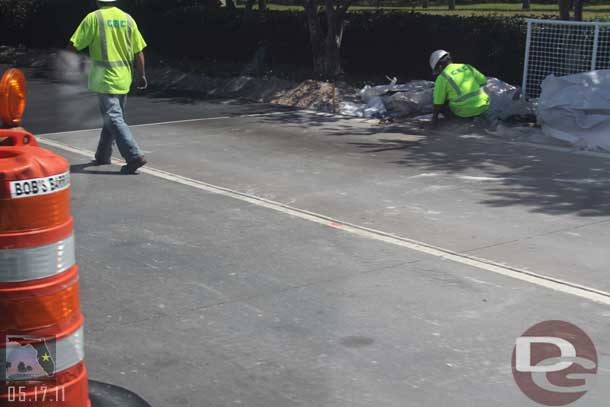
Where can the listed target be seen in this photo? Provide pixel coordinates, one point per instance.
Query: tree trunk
(451, 4)
(326, 47)
(334, 36)
(526, 5)
(578, 5)
(230, 4)
(315, 35)
(564, 9)
(425, 3)
(262, 5)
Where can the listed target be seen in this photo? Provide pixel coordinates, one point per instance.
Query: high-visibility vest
(113, 39)
(115, 35)
(465, 93)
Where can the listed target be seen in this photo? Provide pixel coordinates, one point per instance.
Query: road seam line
(560, 149)
(552, 283)
(172, 122)
(535, 235)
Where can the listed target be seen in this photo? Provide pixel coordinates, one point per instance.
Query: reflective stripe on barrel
(63, 353)
(36, 262)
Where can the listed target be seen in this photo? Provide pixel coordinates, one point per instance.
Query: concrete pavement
(195, 298)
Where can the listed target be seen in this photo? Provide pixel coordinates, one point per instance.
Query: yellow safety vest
(461, 85)
(113, 39)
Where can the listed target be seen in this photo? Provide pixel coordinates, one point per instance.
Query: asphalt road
(272, 257)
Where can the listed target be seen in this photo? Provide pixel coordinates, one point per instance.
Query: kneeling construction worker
(458, 89)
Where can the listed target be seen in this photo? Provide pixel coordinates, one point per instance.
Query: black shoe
(132, 166)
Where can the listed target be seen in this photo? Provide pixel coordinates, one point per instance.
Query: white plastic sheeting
(373, 108)
(415, 99)
(576, 109)
(505, 100)
(351, 109)
(410, 98)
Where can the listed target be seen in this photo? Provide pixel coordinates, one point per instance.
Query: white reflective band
(105, 62)
(59, 355)
(112, 64)
(469, 95)
(103, 41)
(37, 262)
(454, 85)
(129, 31)
(39, 186)
(70, 351)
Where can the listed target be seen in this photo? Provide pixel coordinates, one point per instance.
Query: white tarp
(576, 109)
(415, 98)
(403, 99)
(412, 98)
(505, 100)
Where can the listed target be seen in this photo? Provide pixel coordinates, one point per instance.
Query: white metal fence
(563, 48)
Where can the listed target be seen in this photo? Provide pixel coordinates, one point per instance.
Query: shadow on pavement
(549, 182)
(83, 169)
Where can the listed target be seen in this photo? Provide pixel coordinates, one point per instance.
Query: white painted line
(552, 283)
(171, 122)
(203, 119)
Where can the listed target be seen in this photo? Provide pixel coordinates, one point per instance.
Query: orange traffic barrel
(41, 324)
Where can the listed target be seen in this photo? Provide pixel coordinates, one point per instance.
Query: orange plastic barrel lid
(12, 97)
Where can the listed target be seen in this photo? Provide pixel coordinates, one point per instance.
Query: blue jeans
(115, 129)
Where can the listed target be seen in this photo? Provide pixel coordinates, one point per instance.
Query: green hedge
(396, 43)
(418, 3)
(375, 43)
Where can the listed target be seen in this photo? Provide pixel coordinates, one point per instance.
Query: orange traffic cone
(41, 324)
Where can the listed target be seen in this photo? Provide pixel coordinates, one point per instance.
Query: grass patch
(485, 9)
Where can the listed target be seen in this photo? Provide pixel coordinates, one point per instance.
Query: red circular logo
(553, 363)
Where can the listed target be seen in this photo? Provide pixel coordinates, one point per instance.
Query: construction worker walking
(458, 89)
(114, 42)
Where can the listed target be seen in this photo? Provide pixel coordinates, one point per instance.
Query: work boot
(132, 166)
(97, 161)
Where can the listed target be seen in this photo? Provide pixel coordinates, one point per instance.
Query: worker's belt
(105, 62)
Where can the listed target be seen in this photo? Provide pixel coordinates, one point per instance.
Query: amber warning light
(12, 98)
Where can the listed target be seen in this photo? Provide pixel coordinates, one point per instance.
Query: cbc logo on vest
(554, 363)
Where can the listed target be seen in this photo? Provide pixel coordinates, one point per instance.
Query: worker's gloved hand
(142, 83)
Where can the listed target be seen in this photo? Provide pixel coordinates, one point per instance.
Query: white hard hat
(436, 56)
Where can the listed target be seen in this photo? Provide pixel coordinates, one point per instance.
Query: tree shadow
(510, 174)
